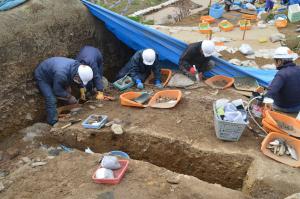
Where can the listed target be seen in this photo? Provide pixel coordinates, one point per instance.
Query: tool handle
(66, 126)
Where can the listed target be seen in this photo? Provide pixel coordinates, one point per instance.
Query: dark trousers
(50, 101)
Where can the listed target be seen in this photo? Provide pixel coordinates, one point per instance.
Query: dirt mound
(35, 31)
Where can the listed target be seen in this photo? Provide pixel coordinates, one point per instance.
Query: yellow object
(220, 111)
(82, 93)
(263, 40)
(100, 95)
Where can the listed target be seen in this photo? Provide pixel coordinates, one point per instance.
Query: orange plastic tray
(229, 81)
(269, 128)
(249, 17)
(226, 26)
(207, 18)
(272, 116)
(119, 173)
(164, 72)
(127, 99)
(176, 94)
(283, 159)
(242, 24)
(281, 23)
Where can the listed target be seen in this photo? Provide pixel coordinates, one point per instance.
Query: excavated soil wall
(229, 170)
(35, 31)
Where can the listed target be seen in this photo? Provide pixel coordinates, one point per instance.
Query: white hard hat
(208, 48)
(283, 53)
(85, 73)
(148, 56)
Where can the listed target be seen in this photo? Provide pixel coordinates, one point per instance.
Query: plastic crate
(118, 174)
(216, 11)
(98, 125)
(229, 131)
(123, 83)
(294, 13)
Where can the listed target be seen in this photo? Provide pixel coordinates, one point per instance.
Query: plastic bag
(104, 173)
(234, 116)
(229, 107)
(250, 6)
(110, 162)
(220, 103)
(246, 49)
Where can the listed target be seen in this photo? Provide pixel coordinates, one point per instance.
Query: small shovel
(70, 123)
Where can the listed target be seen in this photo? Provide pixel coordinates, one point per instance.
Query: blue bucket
(120, 154)
(216, 11)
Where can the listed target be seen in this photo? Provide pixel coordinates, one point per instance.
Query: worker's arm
(184, 62)
(97, 79)
(275, 87)
(156, 69)
(59, 86)
(135, 68)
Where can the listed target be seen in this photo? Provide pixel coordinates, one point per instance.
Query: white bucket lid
(268, 100)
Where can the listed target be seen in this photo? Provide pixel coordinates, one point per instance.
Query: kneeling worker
(92, 57)
(54, 77)
(285, 89)
(197, 54)
(140, 66)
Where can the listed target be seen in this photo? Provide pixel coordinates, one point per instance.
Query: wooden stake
(246, 22)
(210, 35)
(209, 3)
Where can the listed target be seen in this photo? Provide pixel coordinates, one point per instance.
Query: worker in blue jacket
(285, 89)
(92, 57)
(140, 66)
(54, 77)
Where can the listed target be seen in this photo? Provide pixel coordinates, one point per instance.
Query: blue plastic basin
(119, 153)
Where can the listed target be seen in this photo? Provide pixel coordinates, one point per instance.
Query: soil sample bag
(110, 162)
(104, 173)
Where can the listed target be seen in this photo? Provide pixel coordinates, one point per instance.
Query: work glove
(100, 95)
(139, 84)
(192, 71)
(158, 84)
(82, 94)
(72, 100)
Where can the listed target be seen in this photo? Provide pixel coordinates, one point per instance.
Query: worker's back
(289, 94)
(56, 66)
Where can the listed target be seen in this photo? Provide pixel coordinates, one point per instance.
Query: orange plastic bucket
(204, 28)
(295, 143)
(226, 26)
(273, 118)
(207, 18)
(281, 23)
(214, 81)
(127, 99)
(245, 24)
(172, 94)
(166, 76)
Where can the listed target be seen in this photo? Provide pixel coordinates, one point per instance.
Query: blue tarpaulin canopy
(138, 36)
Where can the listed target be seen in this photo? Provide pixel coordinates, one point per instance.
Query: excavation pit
(228, 170)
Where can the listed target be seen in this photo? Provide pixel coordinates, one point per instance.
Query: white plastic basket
(294, 13)
(230, 131)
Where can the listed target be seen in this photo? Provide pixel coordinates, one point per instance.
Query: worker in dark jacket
(140, 66)
(198, 55)
(92, 57)
(54, 77)
(285, 89)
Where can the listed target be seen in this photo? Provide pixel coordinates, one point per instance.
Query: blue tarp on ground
(9, 4)
(138, 36)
